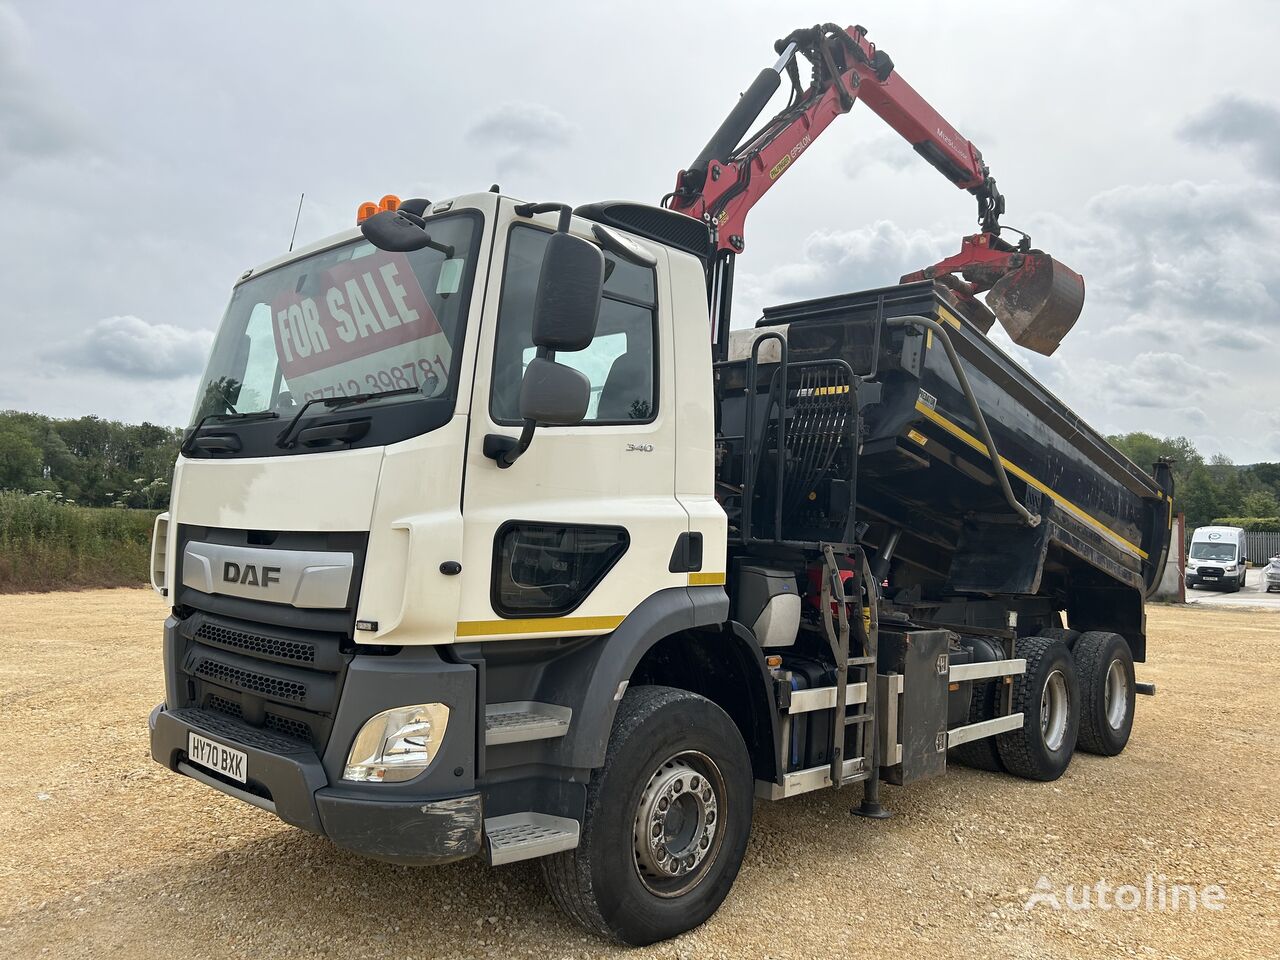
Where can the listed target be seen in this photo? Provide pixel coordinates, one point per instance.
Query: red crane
(1035, 297)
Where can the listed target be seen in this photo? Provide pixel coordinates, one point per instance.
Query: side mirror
(553, 395)
(566, 308)
(396, 231)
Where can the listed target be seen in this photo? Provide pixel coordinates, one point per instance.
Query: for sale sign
(362, 326)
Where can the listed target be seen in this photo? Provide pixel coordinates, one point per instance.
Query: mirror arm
(509, 456)
(503, 449)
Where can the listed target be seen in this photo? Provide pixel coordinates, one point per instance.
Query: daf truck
(491, 537)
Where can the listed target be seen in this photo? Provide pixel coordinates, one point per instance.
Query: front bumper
(288, 779)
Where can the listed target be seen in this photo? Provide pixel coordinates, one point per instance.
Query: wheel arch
(590, 679)
(727, 667)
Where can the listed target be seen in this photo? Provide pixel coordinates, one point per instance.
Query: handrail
(939, 331)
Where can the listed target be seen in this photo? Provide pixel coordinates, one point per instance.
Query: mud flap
(999, 557)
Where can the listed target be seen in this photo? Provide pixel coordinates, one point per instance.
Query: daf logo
(247, 574)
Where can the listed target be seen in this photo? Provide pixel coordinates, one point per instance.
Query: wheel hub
(1117, 695)
(1055, 709)
(677, 823)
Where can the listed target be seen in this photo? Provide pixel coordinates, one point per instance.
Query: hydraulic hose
(939, 331)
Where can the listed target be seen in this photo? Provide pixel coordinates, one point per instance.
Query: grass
(50, 546)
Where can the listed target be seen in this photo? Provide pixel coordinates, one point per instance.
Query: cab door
(582, 527)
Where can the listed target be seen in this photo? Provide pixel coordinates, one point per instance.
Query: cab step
(519, 721)
(523, 836)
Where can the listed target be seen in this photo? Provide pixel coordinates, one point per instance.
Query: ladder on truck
(816, 417)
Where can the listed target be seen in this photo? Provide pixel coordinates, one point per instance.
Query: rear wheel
(1107, 690)
(1048, 697)
(666, 823)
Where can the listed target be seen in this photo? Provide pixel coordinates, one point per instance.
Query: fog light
(397, 745)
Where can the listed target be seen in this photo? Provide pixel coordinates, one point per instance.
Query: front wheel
(666, 822)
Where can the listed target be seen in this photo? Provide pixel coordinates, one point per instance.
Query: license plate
(1208, 578)
(216, 757)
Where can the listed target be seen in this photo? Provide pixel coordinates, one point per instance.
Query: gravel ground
(103, 853)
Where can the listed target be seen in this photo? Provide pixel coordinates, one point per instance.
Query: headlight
(397, 745)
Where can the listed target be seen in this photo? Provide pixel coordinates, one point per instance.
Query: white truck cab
(1217, 557)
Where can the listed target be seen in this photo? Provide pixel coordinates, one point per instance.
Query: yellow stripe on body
(1017, 471)
(566, 625)
(706, 579)
(946, 316)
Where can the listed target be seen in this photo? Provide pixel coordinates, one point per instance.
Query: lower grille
(289, 727)
(237, 731)
(275, 687)
(282, 681)
(277, 723)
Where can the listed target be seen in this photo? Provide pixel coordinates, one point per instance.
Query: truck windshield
(350, 320)
(1205, 550)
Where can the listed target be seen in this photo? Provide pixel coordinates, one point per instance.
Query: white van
(1217, 558)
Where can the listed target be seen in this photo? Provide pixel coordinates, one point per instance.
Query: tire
(663, 740)
(1049, 690)
(1068, 637)
(980, 754)
(1105, 666)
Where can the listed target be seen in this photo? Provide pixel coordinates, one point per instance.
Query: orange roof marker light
(369, 208)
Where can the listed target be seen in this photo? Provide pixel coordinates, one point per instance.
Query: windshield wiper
(189, 438)
(288, 437)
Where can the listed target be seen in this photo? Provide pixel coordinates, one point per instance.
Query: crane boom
(1035, 297)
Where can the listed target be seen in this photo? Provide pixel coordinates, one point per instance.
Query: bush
(47, 545)
(1250, 524)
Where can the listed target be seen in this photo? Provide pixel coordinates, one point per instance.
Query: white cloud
(132, 348)
(1236, 121)
(35, 123)
(519, 133)
(838, 261)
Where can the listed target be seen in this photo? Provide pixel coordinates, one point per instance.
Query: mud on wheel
(666, 822)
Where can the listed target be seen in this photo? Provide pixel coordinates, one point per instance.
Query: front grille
(1211, 571)
(276, 648)
(277, 688)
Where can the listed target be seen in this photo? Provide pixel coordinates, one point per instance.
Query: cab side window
(620, 363)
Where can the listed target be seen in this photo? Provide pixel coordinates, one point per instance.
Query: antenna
(296, 218)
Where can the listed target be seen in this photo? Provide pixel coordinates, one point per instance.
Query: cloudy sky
(149, 152)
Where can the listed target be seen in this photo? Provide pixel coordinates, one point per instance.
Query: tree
(20, 460)
(1144, 449)
(88, 459)
(1260, 503)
